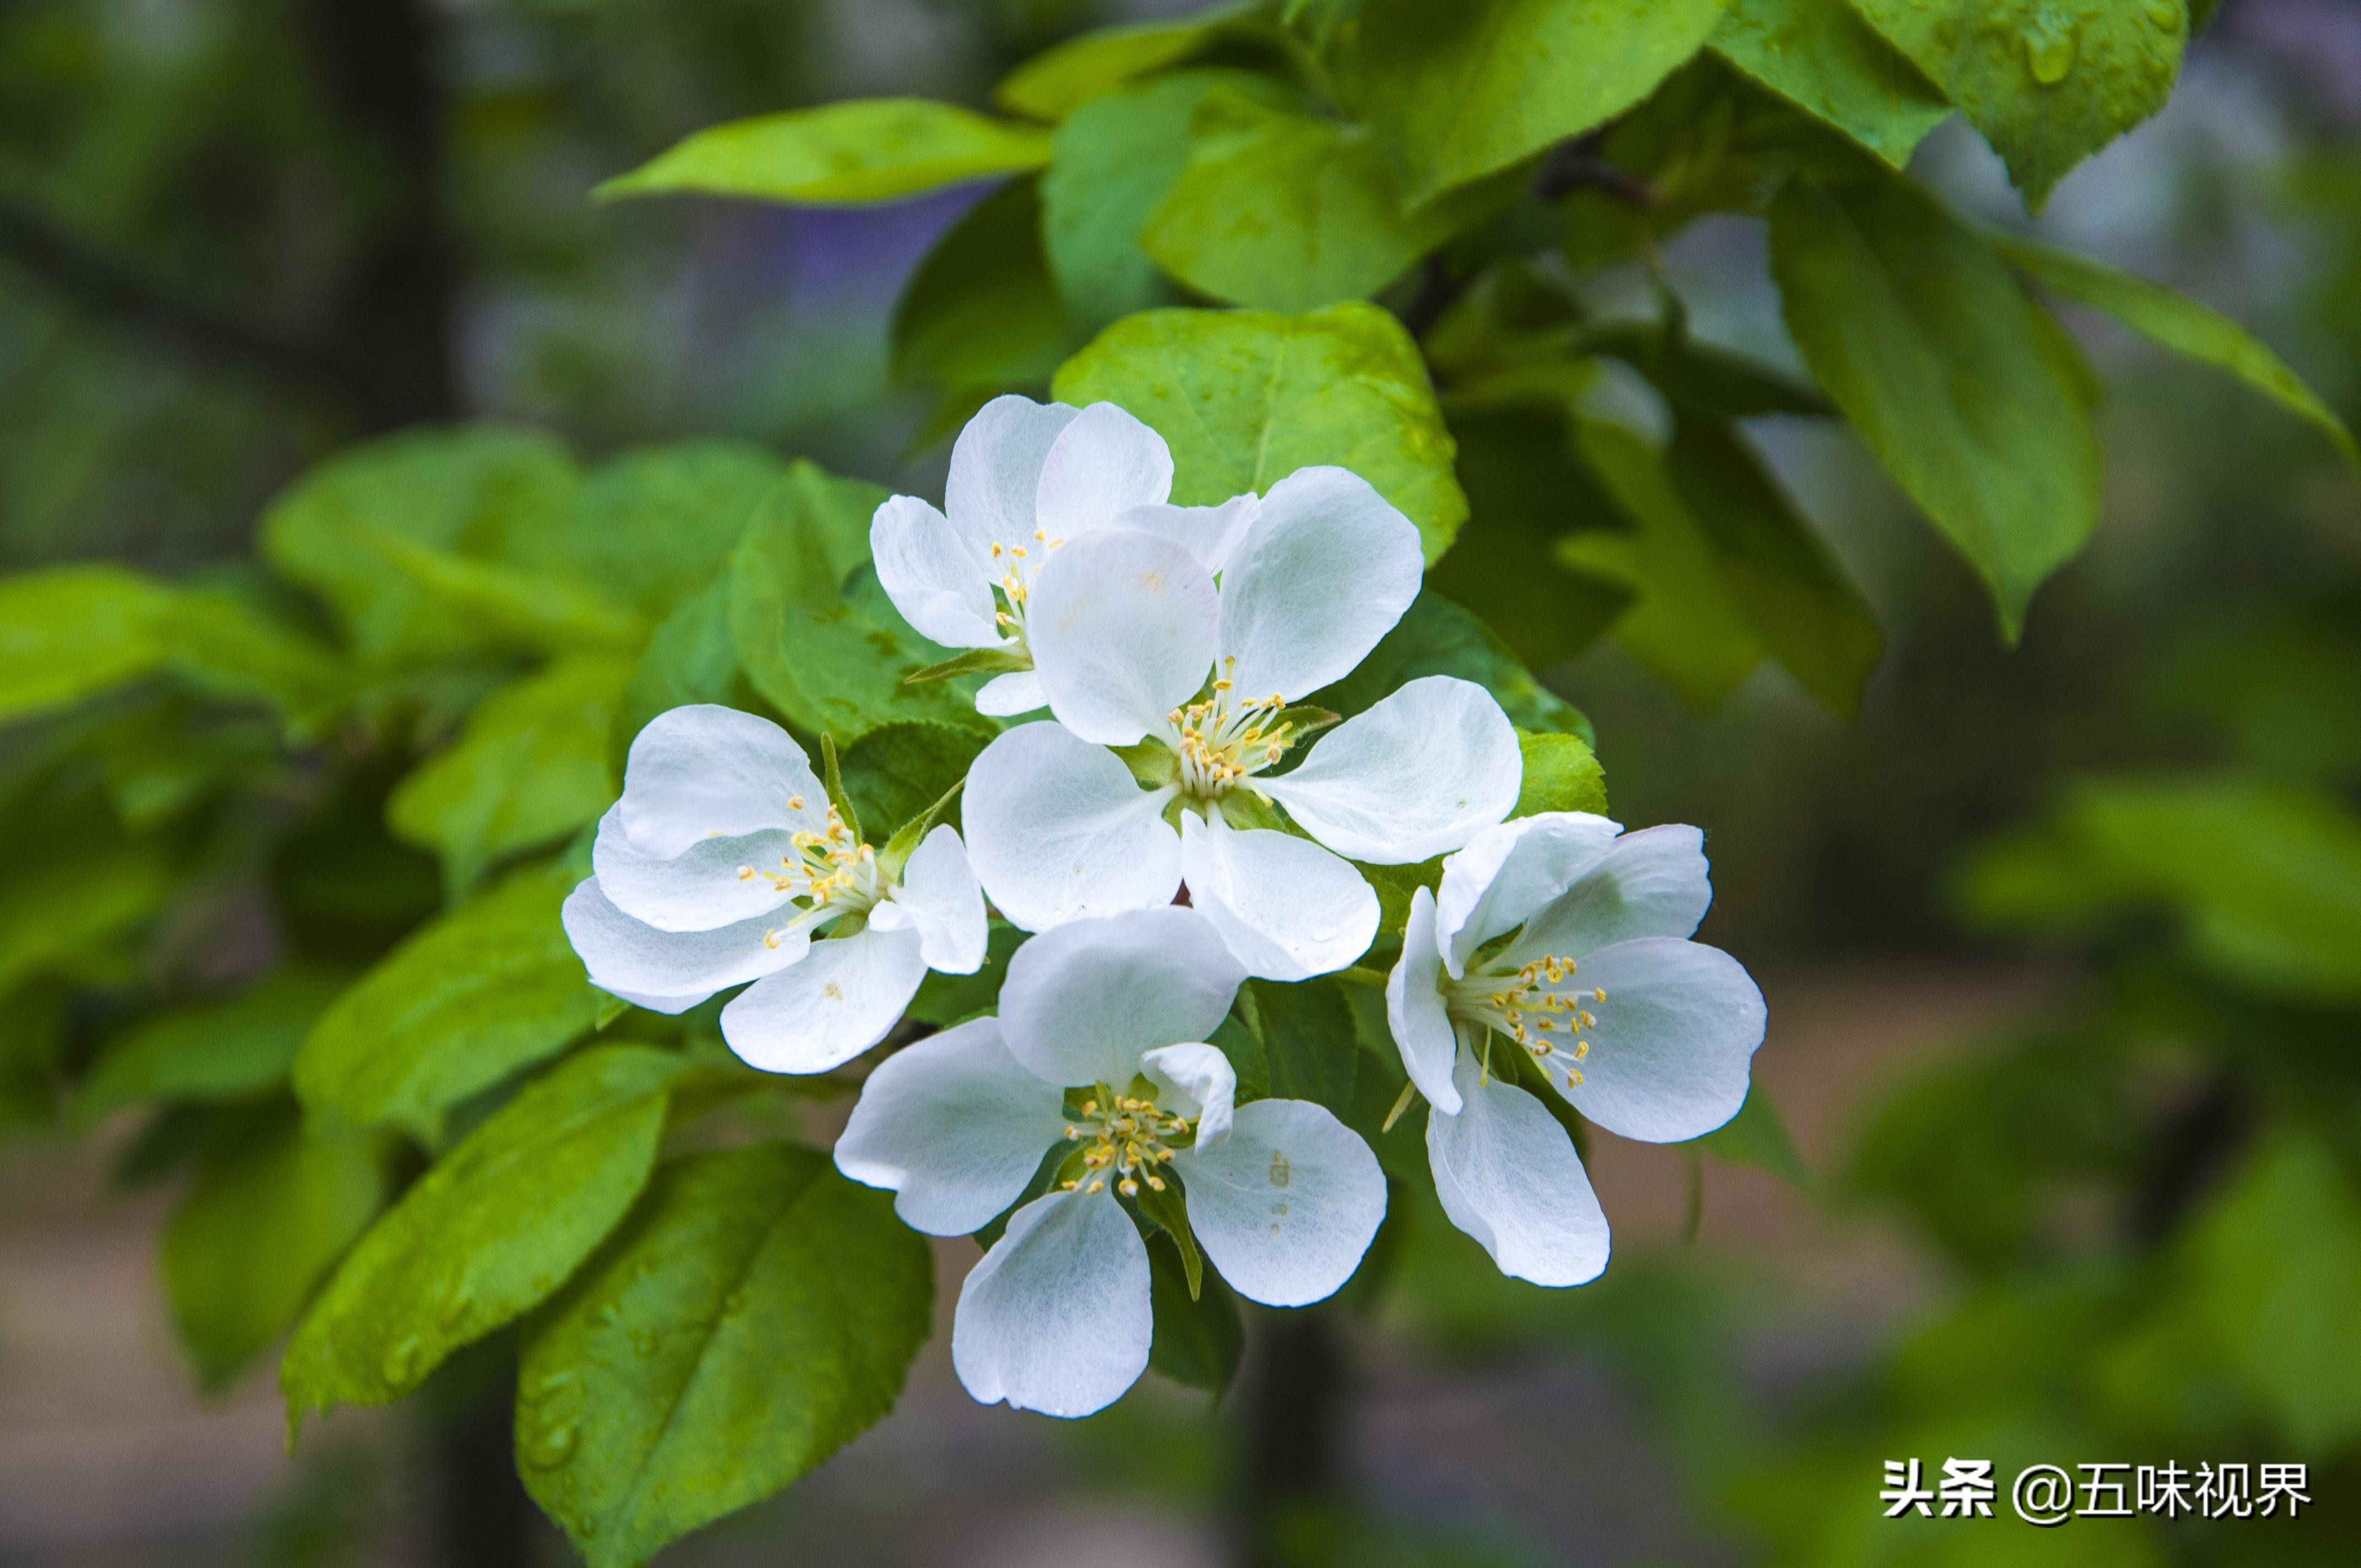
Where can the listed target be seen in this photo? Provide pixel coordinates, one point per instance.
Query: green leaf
(465, 490)
(2268, 878)
(531, 766)
(1525, 491)
(981, 314)
(65, 903)
(1199, 1338)
(1562, 773)
(1114, 159)
(504, 606)
(1698, 377)
(235, 1047)
(1462, 90)
(71, 632)
(691, 659)
(1167, 1211)
(1307, 1038)
(829, 660)
(755, 1312)
(2276, 1265)
(486, 1235)
(862, 150)
(1820, 56)
(269, 1212)
(1287, 211)
(1956, 379)
(832, 776)
(1245, 398)
(489, 988)
(1786, 584)
(1436, 637)
(894, 773)
(2180, 325)
(652, 528)
(1685, 621)
(1060, 81)
(227, 647)
(1758, 1136)
(2047, 82)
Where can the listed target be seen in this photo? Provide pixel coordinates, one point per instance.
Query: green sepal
(1304, 721)
(836, 795)
(974, 662)
(1170, 1212)
(911, 834)
(1152, 763)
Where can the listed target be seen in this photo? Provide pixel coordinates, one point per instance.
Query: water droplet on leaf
(2050, 53)
(400, 1365)
(553, 1447)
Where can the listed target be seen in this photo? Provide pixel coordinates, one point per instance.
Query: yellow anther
(795, 803)
(771, 939)
(745, 874)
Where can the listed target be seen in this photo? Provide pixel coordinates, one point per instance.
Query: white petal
(1649, 883)
(953, 1126)
(1507, 872)
(995, 478)
(1121, 625)
(1507, 1176)
(1005, 696)
(1103, 463)
(1415, 1010)
(1286, 1205)
(1287, 907)
(659, 969)
(1418, 773)
(703, 887)
(1211, 534)
(1196, 1081)
(939, 900)
(1324, 571)
(1674, 1040)
(702, 770)
(931, 576)
(1057, 1317)
(836, 1004)
(1059, 829)
(1084, 1002)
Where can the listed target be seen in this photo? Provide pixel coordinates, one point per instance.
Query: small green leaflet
(2180, 323)
(488, 1233)
(2047, 82)
(756, 1313)
(1562, 773)
(1820, 56)
(862, 150)
(1758, 1136)
(489, 988)
(71, 631)
(1961, 385)
(1057, 81)
(1245, 398)
(233, 1048)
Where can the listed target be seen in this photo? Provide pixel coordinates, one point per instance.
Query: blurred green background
(2062, 942)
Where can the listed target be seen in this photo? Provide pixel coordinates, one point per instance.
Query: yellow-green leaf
(862, 150)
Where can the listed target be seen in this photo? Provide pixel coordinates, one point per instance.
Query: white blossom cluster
(1167, 832)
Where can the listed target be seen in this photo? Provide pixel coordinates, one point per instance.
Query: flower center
(1226, 738)
(1126, 1137)
(1021, 564)
(1536, 1006)
(831, 872)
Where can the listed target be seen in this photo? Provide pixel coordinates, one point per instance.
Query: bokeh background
(236, 234)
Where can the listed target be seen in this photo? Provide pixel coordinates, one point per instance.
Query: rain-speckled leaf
(489, 1233)
(755, 1312)
(486, 989)
(1820, 56)
(2047, 82)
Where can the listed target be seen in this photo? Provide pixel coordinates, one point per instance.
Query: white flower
(720, 864)
(1025, 477)
(1555, 939)
(1099, 1048)
(1136, 646)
